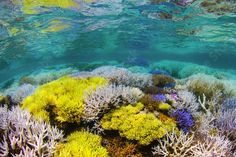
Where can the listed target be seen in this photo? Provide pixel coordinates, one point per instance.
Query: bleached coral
(122, 76)
(105, 98)
(177, 145)
(18, 94)
(22, 135)
(226, 124)
(213, 146)
(187, 100)
(206, 124)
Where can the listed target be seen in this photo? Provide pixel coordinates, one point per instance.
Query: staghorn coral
(135, 125)
(61, 100)
(122, 76)
(176, 145)
(22, 135)
(81, 143)
(118, 147)
(229, 103)
(187, 100)
(213, 146)
(105, 98)
(184, 119)
(205, 125)
(226, 123)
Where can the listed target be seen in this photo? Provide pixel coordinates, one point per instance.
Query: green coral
(61, 100)
(81, 143)
(135, 125)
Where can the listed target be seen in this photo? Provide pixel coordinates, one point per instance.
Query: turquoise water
(125, 33)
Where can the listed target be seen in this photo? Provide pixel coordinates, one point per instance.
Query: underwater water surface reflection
(50, 33)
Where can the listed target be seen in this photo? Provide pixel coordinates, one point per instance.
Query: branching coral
(226, 123)
(205, 125)
(81, 143)
(22, 135)
(187, 100)
(105, 98)
(135, 125)
(204, 84)
(61, 100)
(213, 146)
(177, 145)
(122, 76)
(229, 103)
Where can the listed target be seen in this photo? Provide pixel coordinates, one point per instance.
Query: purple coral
(159, 97)
(184, 119)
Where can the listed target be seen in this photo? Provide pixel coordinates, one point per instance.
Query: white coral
(187, 100)
(105, 98)
(213, 146)
(24, 136)
(175, 145)
(122, 76)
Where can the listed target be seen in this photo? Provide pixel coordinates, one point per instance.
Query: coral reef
(81, 143)
(61, 100)
(22, 135)
(124, 114)
(128, 120)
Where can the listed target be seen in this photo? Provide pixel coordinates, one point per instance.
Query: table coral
(61, 100)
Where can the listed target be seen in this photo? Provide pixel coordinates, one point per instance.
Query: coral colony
(112, 111)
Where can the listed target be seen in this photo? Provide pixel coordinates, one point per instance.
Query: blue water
(124, 33)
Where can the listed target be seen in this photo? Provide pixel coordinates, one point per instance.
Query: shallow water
(126, 33)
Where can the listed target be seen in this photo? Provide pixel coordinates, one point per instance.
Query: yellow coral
(164, 106)
(62, 98)
(135, 125)
(82, 144)
(31, 6)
